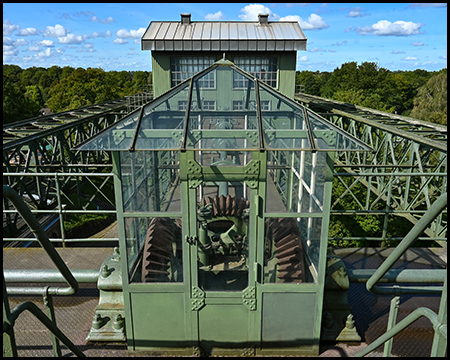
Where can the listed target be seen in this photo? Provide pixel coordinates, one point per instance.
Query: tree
(430, 104)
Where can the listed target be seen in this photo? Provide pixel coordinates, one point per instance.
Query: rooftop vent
(263, 19)
(185, 18)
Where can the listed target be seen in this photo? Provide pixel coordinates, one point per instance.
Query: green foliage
(430, 104)
(419, 93)
(25, 92)
(18, 101)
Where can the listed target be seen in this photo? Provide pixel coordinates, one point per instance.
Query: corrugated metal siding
(223, 36)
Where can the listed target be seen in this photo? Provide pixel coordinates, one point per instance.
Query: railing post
(48, 303)
(393, 311)
(61, 219)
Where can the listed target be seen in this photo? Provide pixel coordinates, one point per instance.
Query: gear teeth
(161, 233)
(288, 250)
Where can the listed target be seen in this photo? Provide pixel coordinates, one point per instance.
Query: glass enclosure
(230, 140)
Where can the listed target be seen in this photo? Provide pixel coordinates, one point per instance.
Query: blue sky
(397, 36)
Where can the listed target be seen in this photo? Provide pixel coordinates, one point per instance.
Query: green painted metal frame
(406, 173)
(40, 161)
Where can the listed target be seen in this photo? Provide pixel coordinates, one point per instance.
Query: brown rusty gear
(288, 250)
(227, 205)
(158, 249)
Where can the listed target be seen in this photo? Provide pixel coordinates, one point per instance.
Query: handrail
(371, 285)
(33, 308)
(43, 239)
(415, 315)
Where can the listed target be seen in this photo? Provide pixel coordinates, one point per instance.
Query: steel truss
(39, 164)
(403, 177)
(405, 174)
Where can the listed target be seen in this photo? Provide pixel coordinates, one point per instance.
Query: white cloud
(21, 42)
(120, 41)
(28, 31)
(303, 58)
(422, 5)
(315, 22)
(55, 31)
(105, 34)
(386, 28)
(44, 54)
(34, 48)
(417, 44)
(108, 20)
(410, 58)
(356, 12)
(46, 43)
(8, 27)
(71, 39)
(251, 12)
(216, 16)
(132, 34)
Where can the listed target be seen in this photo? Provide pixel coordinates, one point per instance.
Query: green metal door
(222, 245)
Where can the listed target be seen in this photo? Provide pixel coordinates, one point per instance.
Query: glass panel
(223, 120)
(291, 251)
(182, 68)
(283, 122)
(150, 181)
(329, 137)
(295, 181)
(154, 249)
(223, 158)
(163, 121)
(116, 137)
(263, 68)
(223, 236)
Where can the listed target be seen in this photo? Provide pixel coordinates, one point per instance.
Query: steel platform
(74, 313)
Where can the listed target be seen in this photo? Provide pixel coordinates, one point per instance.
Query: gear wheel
(162, 251)
(227, 206)
(288, 250)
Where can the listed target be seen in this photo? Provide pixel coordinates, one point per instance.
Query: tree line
(419, 94)
(27, 91)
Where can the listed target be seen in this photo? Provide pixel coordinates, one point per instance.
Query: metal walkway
(74, 314)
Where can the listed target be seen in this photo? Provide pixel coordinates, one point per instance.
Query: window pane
(291, 250)
(154, 249)
(182, 68)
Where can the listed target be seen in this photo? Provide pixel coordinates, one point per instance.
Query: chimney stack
(185, 18)
(263, 19)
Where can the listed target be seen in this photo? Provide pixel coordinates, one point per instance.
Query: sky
(396, 36)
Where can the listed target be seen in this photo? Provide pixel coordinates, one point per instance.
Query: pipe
(48, 275)
(37, 229)
(434, 210)
(399, 275)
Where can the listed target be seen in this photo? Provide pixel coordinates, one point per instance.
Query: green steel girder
(407, 171)
(48, 149)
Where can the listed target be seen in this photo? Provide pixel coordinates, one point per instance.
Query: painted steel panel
(161, 35)
(152, 30)
(233, 32)
(198, 31)
(206, 33)
(289, 317)
(179, 33)
(171, 31)
(166, 311)
(239, 36)
(215, 31)
(242, 31)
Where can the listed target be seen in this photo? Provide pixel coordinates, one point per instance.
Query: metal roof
(223, 36)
